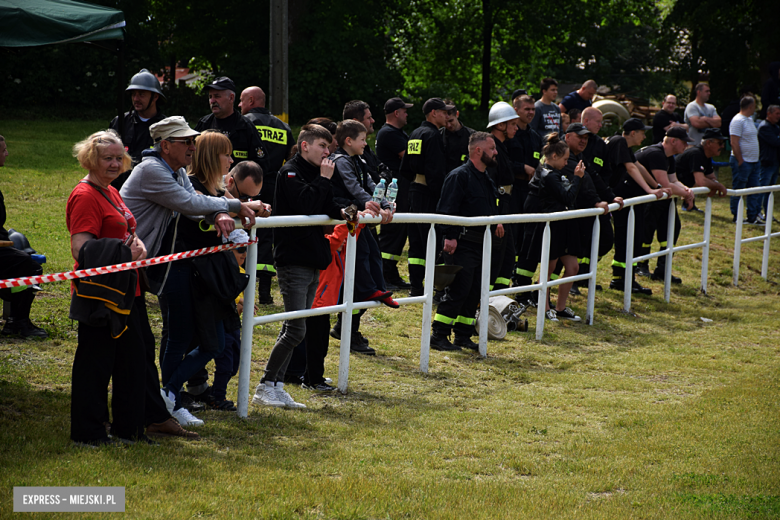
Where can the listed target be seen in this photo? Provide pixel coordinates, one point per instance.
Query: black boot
(264, 280)
(461, 340)
(441, 342)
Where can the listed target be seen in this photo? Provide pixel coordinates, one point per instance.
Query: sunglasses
(189, 141)
(241, 249)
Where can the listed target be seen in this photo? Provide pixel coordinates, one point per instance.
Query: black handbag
(218, 274)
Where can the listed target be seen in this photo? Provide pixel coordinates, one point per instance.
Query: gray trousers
(298, 286)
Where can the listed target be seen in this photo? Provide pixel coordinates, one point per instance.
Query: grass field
(658, 415)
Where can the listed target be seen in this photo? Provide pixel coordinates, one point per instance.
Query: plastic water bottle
(379, 192)
(392, 192)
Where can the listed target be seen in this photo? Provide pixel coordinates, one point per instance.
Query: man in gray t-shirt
(745, 169)
(700, 115)
(547, 116)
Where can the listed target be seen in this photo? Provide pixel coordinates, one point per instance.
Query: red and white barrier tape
(83, 273)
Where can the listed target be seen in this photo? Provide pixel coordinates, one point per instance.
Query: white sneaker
(169, 399)
(285, 398)
(265, 395)
(185, 418)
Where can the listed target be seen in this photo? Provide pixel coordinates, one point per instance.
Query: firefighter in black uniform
(145, 93)
(247, 145)
(391, 142)
(525, 150)
(596, 164)
(628, 179)
(467, 192)
(502, 124)
(277, 141)
(592, 192)
(456, 139)
(424, 164)
(658, 159)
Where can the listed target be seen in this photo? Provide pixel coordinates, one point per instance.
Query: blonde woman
(105, 352)
(210, 163)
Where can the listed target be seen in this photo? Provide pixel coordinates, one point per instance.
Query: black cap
(222, 83)
(436, 104)
(680, 133)
(635, 124)
(519, 92)
(396, 103)
(712, 133)
(578, 128)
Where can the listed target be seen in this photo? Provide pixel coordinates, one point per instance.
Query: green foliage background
(475, 52)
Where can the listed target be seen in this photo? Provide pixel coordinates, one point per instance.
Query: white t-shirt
(695, 110)
(744, 128)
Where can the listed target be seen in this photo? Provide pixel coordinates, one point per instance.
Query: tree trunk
(487, 41)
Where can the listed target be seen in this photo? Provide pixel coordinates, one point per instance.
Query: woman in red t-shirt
(95, 210)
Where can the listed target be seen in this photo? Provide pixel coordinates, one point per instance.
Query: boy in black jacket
(302, 188)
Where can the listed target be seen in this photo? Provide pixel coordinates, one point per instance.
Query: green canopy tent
(29, 23)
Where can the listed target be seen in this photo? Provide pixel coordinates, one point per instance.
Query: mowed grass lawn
(657, 415)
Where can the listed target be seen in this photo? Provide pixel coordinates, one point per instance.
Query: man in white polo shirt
(745, 170)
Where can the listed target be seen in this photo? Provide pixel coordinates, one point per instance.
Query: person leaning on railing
(303, 188)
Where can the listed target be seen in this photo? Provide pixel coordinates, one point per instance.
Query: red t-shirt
(88, 211)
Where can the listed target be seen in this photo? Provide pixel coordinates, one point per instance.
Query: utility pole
(278, 94)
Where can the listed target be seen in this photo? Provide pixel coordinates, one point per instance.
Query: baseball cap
(678, 133)
(436, 104)
(711, 133)
(174, 126)
(222, 83)
(396, 103)
(635, 124)
(577, 128)
(519, 92)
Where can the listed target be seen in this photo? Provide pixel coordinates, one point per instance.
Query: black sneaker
(416, 291)
(658, 276)
(442, 343)
(575, 291)
(638, 289)
(567, 314)
(465, 342)
(223, 405)
(322, 387)
(618, 284)
(188, 402)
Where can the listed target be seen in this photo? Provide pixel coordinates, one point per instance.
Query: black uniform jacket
(301, 190)
(425, 156)
(551, 191)
(502, 175)
(467, 192)
(247, 145)
(276, 136)
(597, 165)
(525, 148)
(589, 194)
(135, 133)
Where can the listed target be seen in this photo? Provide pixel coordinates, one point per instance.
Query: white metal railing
(766, 237)
(346, 308)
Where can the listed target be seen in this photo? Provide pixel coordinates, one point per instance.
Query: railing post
(247, 328)
(768, 233)
(543, 276)
(705, 253)
(346, 317)
(425, 335)
(670, 249)
(484, 303)
(738, 239)
(594, 262)
(629, 271)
